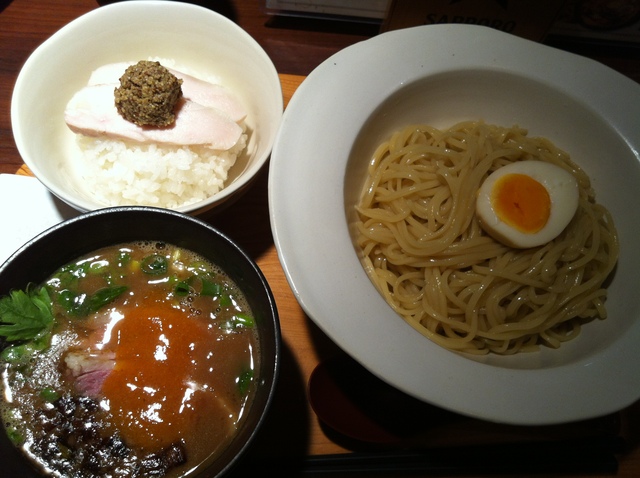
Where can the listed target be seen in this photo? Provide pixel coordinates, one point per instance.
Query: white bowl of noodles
(440, 76)
(90, 173)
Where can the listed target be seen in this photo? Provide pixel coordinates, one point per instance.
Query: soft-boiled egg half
(527, 203)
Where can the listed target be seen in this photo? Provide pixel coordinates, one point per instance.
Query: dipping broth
(146, 369)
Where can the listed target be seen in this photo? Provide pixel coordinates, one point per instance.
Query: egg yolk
(150, 391)
(521, 202)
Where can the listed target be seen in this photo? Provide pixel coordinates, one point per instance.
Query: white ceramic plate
(439, 75)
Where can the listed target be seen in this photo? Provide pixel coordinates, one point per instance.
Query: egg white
(563, 194)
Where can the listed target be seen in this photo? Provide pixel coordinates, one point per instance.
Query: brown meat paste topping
(148, 94)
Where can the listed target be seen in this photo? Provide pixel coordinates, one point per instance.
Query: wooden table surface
(293, 430)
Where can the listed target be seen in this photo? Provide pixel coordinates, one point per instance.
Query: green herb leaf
(25, 315)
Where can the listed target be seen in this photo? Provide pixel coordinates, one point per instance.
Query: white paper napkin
(27, 208)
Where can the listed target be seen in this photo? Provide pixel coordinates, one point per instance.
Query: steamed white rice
(121, 173)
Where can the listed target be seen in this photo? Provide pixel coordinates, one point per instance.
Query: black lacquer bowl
(42, 255)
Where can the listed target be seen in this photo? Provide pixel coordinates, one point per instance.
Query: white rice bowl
(188, 37)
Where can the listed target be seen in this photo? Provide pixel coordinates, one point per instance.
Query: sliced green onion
(124, 257)
(23, 352)
(199, 268)
(243, 320)
(67, 299)
(155, 264)
(244, 381)
(225, 300)
(15, 436)
(98, 267)
(81, 305)
(210, 288)
(104, 296)
(49, 394)
(182, 288)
